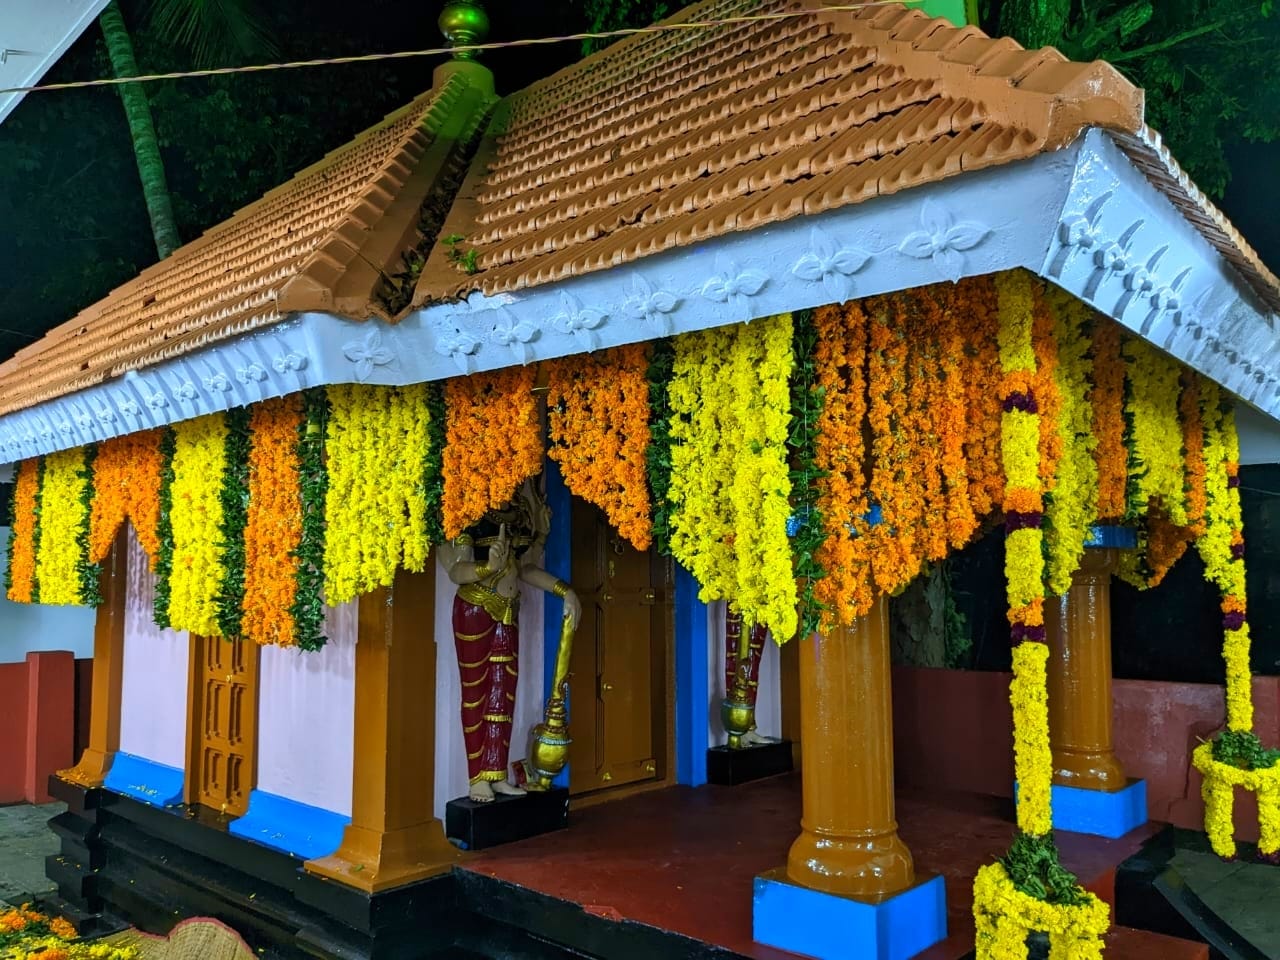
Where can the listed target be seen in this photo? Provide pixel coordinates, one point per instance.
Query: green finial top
(464, 22)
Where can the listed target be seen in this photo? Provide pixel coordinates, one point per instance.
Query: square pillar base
(829, 927)
(1109, 815)
(477, 826)
(728, 768)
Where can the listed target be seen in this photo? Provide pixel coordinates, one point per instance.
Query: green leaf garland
(89, 573)
(658, 455)
(164, 530)
(433, 471)
(308, 602)
(235, 515)
(806, 409)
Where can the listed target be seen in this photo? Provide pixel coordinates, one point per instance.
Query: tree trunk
(142, 129)
(1034, 23)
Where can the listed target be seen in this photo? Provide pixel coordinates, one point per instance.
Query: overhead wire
(439, 51)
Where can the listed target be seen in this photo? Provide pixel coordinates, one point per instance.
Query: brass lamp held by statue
(549, 750)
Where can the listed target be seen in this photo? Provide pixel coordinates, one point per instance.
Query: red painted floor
(683, 859)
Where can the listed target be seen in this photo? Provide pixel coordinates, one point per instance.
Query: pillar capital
(1097, 565)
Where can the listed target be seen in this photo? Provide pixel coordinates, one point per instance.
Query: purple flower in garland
(1233, 483)
(1024, 633)
(1031, 520)
(1233, 620)
(1237, 551)
(1026, 402)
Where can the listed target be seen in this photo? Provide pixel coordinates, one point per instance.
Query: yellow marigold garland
(20, 578)
(126, 480)
(1073, 504)
(273, 531)
(199, 462)
(1159, 470)
(376, 505)
(1004, 916)
(494, 443)
(598, 424)
(730, 482)
(64, 527)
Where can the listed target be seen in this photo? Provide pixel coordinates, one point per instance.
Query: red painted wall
(13, 732)
(953, 729)
(39, 704)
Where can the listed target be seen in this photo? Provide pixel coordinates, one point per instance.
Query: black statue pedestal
(728, 768)
(475, 826)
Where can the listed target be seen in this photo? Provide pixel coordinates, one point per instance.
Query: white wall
(451, 754)
(31, 627)
(769, 694)
(153, 697)
(1259, 436)
(306, 717)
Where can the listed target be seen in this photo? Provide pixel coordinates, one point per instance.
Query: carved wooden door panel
(222, 741)
(618, 689)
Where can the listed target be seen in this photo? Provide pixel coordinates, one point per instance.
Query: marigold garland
(840, 356)
(273, 525)
(494, 443)
(126, 480)
(977, 306)
(920, 317)
(658, 453)
(1111, 453)
(1004, 917)
(199, 463)
(730, 484)
(27, 934)
(20, 576)
(1158, 470)
(1073, 504)
(948, 412)
(598, 426)
(375, 507)
(62, 568)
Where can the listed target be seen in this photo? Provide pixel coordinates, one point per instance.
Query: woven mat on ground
(198, 939)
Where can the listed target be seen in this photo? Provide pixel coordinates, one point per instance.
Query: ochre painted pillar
(849, 842)
(394, 837)
(108, 670)
(1078, 626)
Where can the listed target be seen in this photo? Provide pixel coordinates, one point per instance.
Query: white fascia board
(33, 35)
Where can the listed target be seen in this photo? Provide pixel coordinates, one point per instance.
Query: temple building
(533, 455)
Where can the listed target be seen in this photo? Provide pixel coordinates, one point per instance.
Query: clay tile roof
(287, 251)
(668, 138)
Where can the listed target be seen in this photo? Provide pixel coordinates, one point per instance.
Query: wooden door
(620, 691)
(222, 736)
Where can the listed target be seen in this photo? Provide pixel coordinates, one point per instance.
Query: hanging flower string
(20, 575)
(273, 525)
(809, 534)
(658, 453)
(1236, 757)
(63, 570)
(126, 480)
(598, 418)
(307, 610)
(375, 507)
(493, 443)
(199, 466)
(1107, 400)
(1029, 890)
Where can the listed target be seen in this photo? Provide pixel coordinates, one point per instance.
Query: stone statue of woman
(486, 628)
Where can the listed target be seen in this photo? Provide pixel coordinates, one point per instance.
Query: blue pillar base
(291, 827)
(1109, 815)
(145, 780)
(829, 927)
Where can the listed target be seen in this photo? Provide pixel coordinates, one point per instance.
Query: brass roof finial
(463, 23)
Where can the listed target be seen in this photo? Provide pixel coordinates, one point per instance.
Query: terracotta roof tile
(703, 132)
(231, 280)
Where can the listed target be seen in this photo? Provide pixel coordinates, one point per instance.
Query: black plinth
(728, 768)
(475, 826)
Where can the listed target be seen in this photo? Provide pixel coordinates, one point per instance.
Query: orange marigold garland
(599, 430)
(895, 555)
(948, 410)
(494, 443)
(840, 358)
(921, 319)
(975, 304)
(20, 578)
(1045, 385)
(273, 531)
(1111, 453)
(126, 479)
